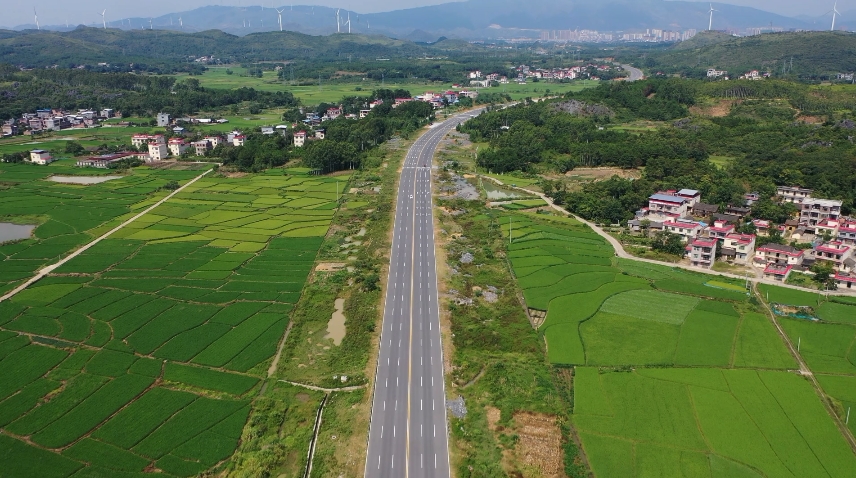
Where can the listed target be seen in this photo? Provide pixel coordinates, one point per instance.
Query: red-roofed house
(847, 232)
(739, 246)
(139, 140)
(835, 252)
(238, 140)
(668, 205)
(778, 254)
(687, 229)
(720, 229)
(177, 146)
(777, 272)
(703, 252)
(401, 101)
(845, 281)
(40, 156)
(762, 227)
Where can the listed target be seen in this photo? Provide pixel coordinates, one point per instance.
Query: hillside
(90, 46)
(813, 54)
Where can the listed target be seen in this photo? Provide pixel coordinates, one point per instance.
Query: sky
(57, 12)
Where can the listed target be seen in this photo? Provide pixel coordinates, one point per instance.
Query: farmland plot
(706, 422)
(614, 312)
(144, 352)
(67, 215)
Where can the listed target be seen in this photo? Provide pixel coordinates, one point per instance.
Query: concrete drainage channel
(311, 454)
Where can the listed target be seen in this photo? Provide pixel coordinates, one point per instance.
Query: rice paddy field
(68, 215)
(143, 354)
(679, 373)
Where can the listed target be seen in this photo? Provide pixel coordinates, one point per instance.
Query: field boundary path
(48, 269)
(620, 252)
(353, 388)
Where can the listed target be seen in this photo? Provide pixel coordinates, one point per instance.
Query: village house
(720, 229)
(105, 160)
(702, 252)
(158, 151)
(845, 281)
(688, 230)
(739, 247)
(847, 232)
(751, 198)
(299, 139)
(200, 147)
(836, 253)
(762, 227)
(238, 140)
(162, 119)
(668, 205)
(401, 101)
(320, 133)
(778, 272)
(364, 113)
(214, 141)
(704, 210)
(814, 211)
(177, 146)
(778, 254)
(40, 156)
(793, 194)
(139, 140)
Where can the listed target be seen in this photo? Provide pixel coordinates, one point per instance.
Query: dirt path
(325, 390)
(806, 372)
(620, 252)
(47, 270)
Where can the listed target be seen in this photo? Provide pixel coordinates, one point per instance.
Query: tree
(73, 147)
(668, 243)
(823, 273)
(330, 155)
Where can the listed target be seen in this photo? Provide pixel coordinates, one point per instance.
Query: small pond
(14, 232)
(82, 179)
(496, 192)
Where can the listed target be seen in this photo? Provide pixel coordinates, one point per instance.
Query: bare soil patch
(330, 266)
(717, 110)
(600, 174)
(540, 444)
(807, 119)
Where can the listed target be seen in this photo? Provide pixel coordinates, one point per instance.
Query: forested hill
(90, 46)
(814, 55)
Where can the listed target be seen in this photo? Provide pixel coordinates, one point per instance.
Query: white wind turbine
(150, 24)
(349, 22)
(338, 25)
(104, 19)
(37, 19)
(279, 13)
(834, 12)
(180, 23)
(710, 23)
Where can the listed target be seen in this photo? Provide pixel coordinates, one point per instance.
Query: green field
(331, 92)
(151, 344)
(706, 423)
(602, 311)
(68, 216)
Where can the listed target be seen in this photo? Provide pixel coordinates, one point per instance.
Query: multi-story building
(834, 252)
(158, 151)
(163, 119)
(847, 232)
(702, 252)
(778, 272)
(213, 140)
(741, 247)
(177, 146)
(778, 254)
(200, 147)
(720, 229)
(40, 156)
(688, 230)
(299, 139)
(814, 211)
(139, 140)
(793, 194)
(668, 205)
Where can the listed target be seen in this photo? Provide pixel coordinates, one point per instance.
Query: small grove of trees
(668, 243)
(329, 156)
(823, 274)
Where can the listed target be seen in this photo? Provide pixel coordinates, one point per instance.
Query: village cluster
(524, 73)
(711, 234)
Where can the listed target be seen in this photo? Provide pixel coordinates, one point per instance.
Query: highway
(408, 432)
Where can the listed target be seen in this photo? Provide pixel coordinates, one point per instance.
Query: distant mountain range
(473, 19)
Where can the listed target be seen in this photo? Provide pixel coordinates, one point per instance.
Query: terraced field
(142, 354)
(68, 215)
(678, 373)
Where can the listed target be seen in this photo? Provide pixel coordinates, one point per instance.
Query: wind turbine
(349, 22)
(150, 24)
(37, 19)
(338, 25)
(834, 12)
(104, 19)
(180, 23)
(710, 24)
(279, 13)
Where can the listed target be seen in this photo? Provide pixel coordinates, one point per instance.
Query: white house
(177, 146)
(299, 139)
(702, 252)
(688, 230)
(40, 156)
(778, 254)
(158, 151)
(739, 246)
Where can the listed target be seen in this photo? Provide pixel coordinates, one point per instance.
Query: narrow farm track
(47, 270)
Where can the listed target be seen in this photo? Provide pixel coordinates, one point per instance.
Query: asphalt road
(408, 433)
(635, 73)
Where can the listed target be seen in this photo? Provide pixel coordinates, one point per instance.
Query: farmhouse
(667, 204)
(688, 230)
(720, 229)
(847, 232)
(702, 252)
(778, 272)
(814, 211)
(158, 151)
(836, 253)
(741, 247)
(40, 156)
(139, 140)
(793, 194)
(177, 146)
(299, 139)
(778, 254)
(104, 161)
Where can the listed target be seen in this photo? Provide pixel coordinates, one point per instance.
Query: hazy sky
(57, 12)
